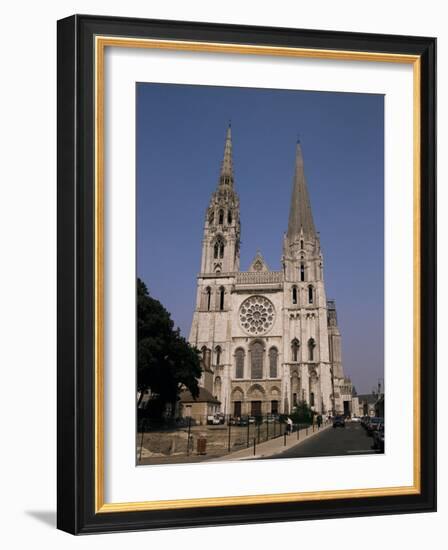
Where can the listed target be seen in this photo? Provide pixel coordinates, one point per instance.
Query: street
(350, 440)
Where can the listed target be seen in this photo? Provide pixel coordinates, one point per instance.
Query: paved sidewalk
(273, 446)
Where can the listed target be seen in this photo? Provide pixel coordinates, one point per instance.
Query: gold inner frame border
(100, 44)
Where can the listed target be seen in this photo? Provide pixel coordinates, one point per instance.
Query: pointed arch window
(218, 249)
(211, 217)
(229, 217)
(295, 345)
(205, 352)
(273, 359)
(221, 217)
(312, 399)
(302, 271)
(217, 386)
(311, 346)
(218, 353)
(256, 360)
(239, 363)
(310, 294)
(294, 295)
(208, 297)
(221, 298)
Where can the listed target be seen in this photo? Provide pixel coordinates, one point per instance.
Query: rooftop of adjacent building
(204, 397)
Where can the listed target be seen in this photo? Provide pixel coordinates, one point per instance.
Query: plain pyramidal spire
(226, 176)
(300, 215)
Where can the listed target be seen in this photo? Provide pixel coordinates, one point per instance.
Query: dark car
(378, 439)
(374, 423)
(364, 421)
(339, 421)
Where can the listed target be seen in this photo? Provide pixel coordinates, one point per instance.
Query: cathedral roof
(300, 215)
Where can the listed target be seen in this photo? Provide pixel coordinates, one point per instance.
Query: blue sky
(180, 142)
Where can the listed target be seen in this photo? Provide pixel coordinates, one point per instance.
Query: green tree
(166, 361)
(302, 413)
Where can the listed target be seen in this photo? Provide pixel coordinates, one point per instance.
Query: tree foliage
(166, 361)
(302, 413)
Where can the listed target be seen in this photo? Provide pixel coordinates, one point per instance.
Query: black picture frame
(76, 511)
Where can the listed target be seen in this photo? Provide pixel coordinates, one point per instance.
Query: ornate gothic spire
(226, 176)
(300, 215)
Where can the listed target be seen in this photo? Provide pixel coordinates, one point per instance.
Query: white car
(213, 419)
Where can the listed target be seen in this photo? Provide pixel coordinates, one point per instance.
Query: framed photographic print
(246, 274)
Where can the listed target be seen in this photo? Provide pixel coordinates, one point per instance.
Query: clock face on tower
(257, 315)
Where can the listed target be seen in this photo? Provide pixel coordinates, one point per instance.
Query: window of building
(302, 272)
(217, 388)
(312, 399)
(310, 294)
(221, 217)
(294, 295)
(205, 355)
(218, 352)
(221, 298)
(273, 359)
(294, 399)
(295, 349)
(208, 294)
(257, 360)
(211, 217)
(239, 363)
(311, 346)
(274, 407)
(229, 217)
(218, 249)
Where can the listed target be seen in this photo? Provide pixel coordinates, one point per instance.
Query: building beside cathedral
(269, 339)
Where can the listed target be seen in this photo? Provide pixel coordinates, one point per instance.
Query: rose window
(257, 315)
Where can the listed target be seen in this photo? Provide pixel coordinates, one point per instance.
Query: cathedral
(269, 339)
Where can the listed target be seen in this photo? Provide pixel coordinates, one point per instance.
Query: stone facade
(269, 338)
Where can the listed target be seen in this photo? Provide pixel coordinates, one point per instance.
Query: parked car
(373, 424)
(213, 419)
(378, 439)
(356, 419)
(365, 420)
(338, 421)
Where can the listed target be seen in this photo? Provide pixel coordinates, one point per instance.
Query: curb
(270, 448)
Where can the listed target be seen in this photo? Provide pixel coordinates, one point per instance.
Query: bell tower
(220, 262)
(302, 257)
(221, 242)
(306, 334)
